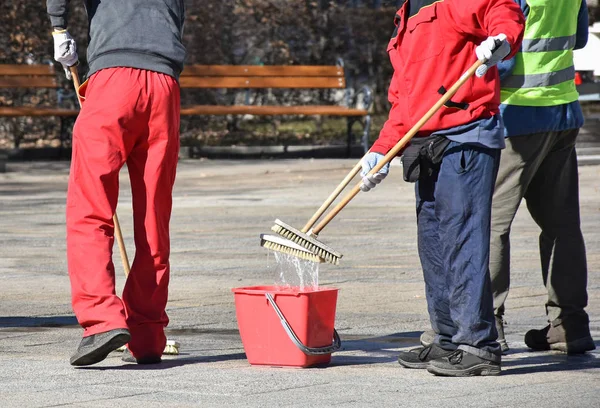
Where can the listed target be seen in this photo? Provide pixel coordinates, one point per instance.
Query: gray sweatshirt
(144, 34)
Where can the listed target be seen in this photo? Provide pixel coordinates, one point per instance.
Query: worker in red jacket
(454, 161)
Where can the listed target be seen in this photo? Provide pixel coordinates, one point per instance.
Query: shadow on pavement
(338, 361)
(170, 363)
(381, 349)
(33, 322)
(550, 361)
(394, 340)
(378, 350)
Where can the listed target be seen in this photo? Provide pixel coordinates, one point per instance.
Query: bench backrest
(201, 76)
(262, 76)
(27, 76)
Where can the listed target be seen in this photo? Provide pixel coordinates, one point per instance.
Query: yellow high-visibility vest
(544, 74)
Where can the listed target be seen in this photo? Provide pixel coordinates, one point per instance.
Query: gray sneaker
(501, 338)
(427, 338)
(97, 347)
(463, 364)
(129, 358)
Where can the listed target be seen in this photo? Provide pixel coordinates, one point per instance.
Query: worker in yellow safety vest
(542, 117)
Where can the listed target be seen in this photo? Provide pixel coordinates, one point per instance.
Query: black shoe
(501, 339)
(463, 364)
(129, 358)
(566, 336)
(421, 356)
(428, 336)
(96, 347)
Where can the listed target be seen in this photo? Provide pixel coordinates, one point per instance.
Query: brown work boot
(571, 336)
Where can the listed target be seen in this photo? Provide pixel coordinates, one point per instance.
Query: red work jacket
(432, 49)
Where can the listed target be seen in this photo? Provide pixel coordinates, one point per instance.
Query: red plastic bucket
(287, 327)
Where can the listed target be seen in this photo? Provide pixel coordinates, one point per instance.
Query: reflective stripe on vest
(548, 44)
(544, 74)
(539, 80)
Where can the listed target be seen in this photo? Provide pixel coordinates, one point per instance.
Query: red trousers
(129, 116)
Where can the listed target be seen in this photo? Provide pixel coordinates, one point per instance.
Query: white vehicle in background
(587, 67)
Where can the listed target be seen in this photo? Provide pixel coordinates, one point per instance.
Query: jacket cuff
(58, 21)
(379, 147)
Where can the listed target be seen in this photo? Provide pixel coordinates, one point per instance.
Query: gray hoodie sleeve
(58, 10)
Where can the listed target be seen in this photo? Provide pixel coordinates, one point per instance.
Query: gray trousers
(542, 169)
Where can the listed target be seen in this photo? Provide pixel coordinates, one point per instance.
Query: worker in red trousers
(130, 116)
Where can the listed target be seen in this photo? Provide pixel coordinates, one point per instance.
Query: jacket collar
(414, 6)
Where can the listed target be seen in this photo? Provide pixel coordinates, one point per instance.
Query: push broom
(303, 242)
(285, 245)
(172, 347)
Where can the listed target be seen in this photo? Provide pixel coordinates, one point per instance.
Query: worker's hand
(65, 50)
(370, 161)
(491, 51)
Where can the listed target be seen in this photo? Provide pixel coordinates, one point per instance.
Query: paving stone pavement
(220, 208)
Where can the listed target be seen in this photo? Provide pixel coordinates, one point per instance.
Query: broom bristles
(276, 243)
(308, 242)
(171, 348)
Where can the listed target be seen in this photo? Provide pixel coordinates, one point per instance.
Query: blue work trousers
(453, 222)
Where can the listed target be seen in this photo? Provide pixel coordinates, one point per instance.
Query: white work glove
(370, 161)
(65, 50)
(491, 51)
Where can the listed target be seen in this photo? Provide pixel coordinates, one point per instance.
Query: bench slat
(272, 110)
(262, 70)
(27, 82)
(36, 111)
(20, 70)
(203, 76)
(262, 82)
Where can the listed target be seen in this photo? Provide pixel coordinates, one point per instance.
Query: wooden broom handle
(118, 234)
(122, 250)
(334, 195)
(76, 81)
(400, 145)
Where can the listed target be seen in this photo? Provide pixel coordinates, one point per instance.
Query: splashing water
(296, 273)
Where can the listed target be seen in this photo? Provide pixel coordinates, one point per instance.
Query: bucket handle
(306, 350)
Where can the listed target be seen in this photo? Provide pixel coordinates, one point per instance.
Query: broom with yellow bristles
(172, 347)
(303, 242)
(283, 244)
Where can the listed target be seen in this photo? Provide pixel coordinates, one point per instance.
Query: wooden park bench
(224, 77)
(280, 77)
(35, 77)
